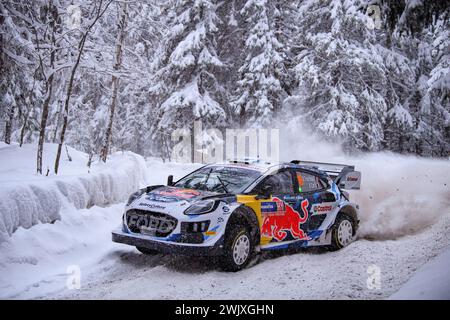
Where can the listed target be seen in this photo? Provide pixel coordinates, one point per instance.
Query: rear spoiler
(343, 175)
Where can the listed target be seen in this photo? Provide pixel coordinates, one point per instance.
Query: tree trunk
(24, 127)
(48, 96)
(58, 121)
(8, 125)
(67, 101)
(100, 12)
(89, 163)
(115, 81)
(44, 124)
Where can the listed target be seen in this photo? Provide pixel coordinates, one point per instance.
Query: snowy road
(112, 270)
(125, 273)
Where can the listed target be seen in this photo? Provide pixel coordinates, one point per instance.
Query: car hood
(168, 199)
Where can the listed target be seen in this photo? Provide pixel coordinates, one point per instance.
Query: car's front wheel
(147, 251)
(238, 249)
(342, 232)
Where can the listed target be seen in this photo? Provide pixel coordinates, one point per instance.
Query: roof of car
(258, 165)
(305, 167)
(263, 166)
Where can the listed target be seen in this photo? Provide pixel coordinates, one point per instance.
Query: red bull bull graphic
(276, 225)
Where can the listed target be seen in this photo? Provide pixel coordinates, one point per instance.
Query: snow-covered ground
(432, 281)
(405, 223)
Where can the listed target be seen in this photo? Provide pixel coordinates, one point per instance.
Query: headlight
(201, 207)
(134, 196)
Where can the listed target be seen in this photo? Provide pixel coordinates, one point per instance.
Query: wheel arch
(246, 216)
(352, 212)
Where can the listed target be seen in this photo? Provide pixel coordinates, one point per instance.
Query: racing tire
(238, 249)
(342, 232)
(147, 251)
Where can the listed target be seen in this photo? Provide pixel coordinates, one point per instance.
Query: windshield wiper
(223, 185)
(204, 183)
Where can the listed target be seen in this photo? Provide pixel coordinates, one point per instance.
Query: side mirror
(170, 180)
(265, 193)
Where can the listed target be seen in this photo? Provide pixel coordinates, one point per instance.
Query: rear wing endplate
(343, 175)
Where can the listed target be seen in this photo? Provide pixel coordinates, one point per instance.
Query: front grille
(191, 238)
(150, 223)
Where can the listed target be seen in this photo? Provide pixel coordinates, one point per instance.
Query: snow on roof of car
(255, 164)
(263, 166)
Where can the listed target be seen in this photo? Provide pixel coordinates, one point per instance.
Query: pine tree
(21, 89)
(260, 92)
(145, 33)
(228, 63)
(122, 22)
(186, 87)
(342, 79)
(422, 34)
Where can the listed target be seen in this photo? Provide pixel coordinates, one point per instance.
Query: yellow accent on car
(255, 205)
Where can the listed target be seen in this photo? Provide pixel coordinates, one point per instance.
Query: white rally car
(232, 210)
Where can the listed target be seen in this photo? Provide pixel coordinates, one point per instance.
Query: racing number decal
(276, 208)
(279, 217)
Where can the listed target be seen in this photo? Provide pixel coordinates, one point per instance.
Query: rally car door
(314, 190)
(280, 221)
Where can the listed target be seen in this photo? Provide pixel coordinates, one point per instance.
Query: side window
(308, 182)
(281, 182)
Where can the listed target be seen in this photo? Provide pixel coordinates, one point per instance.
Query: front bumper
(167, 247)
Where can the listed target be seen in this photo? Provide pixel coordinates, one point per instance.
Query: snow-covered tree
(144, 32)
(186, 87)
(428, 28)
(259, 90)
(226, 63)
(21, 85)
(342, 78)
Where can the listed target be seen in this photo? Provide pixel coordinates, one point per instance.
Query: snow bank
(399, 195)
(431, 282)
(27, 199)
(36, 260)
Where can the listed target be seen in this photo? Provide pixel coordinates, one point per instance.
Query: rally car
(235, 209)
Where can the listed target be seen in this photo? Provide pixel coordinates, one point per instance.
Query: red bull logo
(180, 193)
(171, 194)
(276, 225)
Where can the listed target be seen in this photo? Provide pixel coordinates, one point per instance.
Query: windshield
(221, 179)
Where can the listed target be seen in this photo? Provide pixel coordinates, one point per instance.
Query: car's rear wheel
(342, 232)
(238, 249)
(147, 251)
